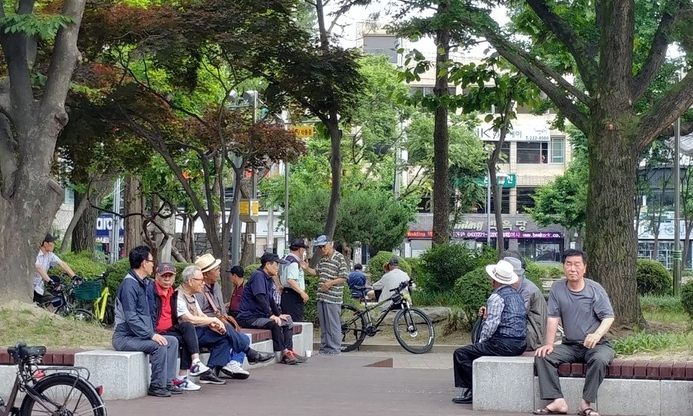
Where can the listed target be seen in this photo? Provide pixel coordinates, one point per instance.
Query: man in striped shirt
(333, 270)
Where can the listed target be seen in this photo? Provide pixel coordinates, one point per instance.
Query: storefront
(530, 239)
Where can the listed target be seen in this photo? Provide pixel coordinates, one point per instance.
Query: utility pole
(676, 252)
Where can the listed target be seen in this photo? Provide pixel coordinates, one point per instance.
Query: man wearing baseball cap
(503, 332)
(45, 259)
(260, 310)
(162, 305)
(293, 280)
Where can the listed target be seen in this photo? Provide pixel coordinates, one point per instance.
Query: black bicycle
(54, 391)
(62, 301)
(413, 328)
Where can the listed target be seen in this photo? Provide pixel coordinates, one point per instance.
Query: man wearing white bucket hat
(503, 332)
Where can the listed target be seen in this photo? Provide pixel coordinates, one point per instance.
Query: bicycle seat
(21, 352)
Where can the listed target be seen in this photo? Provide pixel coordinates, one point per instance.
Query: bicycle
(63, 393)
(62, 299)
(413, 328)
(97, 293)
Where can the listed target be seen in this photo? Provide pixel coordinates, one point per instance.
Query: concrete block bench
(632, 388)
(126, 374)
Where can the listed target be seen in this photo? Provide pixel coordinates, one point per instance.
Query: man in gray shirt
(534, 303)
(586, 313)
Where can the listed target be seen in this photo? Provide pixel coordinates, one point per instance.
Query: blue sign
(104, 225)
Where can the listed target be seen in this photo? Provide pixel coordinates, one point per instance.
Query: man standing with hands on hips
(583, 307)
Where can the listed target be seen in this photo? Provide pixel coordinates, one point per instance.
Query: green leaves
(33, 25)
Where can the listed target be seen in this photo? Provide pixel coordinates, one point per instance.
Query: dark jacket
(155, 305)
(132, 312)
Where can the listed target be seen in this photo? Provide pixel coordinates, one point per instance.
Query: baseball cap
(320, 241)
(394, 261)
(268, 257)
(164, 268)
(298, 243)
(48, 239)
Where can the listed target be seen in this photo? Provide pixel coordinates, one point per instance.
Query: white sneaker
(185, 383)
(233, 369)
(197, 369)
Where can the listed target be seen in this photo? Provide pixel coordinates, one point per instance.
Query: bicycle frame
(366, 311)
(101, 302)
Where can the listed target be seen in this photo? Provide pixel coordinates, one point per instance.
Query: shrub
(687, 298)
(249, 269)
(473, 289)
(115, 273)
(376, 263)
(652, 278)
(83, 263)
(445, 263)
(536, 272)
(417, 269)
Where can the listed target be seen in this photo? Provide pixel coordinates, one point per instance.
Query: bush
(115, 273)
(474, 289)
(83, 263)
(417, 269)
(687, 298)
(445, 263)
(249, 269)
(376, 263)
(652, 278)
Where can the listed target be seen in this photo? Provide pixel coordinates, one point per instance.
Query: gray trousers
(330, 328)
(162, 357)
(596, 359)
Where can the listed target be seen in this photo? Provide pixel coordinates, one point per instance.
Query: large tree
(614, 61)
(32, 102)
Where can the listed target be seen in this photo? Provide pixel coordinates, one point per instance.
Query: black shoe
(465, 398)
(255, 357)
(158, 391)
(174, 389)
(211, 378)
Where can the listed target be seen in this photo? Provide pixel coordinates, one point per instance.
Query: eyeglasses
(149, 260)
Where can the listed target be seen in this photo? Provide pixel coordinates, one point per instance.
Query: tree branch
(63, 61)
(675, 102)
(574, 43)
(658, 50)
(531, 71)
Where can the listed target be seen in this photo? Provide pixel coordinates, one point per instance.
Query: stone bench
(632, 388)
(126, 374)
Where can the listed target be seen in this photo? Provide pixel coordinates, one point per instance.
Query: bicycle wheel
(353, 328)
(63, 394)
(414, 331)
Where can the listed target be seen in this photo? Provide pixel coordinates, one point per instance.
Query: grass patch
(651, 303)
(426, 298)
(643, 342)
(35, 326)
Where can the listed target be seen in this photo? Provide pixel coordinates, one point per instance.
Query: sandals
(588, 412)
(547, 411)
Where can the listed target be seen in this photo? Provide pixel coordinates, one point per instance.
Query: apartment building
(533, 155)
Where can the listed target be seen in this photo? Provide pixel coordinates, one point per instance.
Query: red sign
(419, 235)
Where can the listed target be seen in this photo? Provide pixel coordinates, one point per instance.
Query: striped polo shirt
(330, 268)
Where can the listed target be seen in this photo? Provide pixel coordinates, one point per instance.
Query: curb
(397, 348)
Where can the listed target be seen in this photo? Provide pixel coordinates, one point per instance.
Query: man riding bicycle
(44, 261)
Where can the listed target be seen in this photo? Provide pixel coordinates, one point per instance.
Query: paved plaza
(346, 385)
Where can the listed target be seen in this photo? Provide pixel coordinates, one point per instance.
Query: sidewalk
(337, 385)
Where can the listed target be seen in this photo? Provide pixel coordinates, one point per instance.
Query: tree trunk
(26, 218)
(610, 235)
(84, 234)
(134, 204)
(441, 194)
(336, 171)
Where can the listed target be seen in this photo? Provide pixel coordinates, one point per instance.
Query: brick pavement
(342, 385)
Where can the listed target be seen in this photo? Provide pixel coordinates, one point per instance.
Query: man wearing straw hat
(503, 332)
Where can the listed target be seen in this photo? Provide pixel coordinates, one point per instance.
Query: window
(557, 149)
(524, 198)
(381, 45)
(427, 90)
(505, 203)
(532, 152)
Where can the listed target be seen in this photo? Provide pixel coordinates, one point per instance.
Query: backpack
(284, 268)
